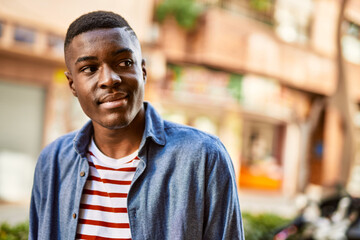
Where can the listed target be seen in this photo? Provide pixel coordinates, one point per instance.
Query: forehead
(102, 40)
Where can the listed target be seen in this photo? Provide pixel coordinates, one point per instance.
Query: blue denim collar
(154, 129)
(154, 126)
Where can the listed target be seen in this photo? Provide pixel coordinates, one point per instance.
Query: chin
(115, 120)
(113, 125)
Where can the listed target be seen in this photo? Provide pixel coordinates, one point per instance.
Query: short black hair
(95, 20)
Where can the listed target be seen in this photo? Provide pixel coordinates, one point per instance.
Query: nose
(108, 78)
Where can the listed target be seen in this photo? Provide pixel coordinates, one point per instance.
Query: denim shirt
(184, 186)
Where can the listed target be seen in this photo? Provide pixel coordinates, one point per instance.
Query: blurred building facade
(258, 74)
(261, 75)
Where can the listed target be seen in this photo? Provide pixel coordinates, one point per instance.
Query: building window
(261, 164)
(351, 42)
(24, 35)
(55, 44)
(292, 20)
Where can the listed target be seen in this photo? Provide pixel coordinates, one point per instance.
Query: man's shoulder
(188, 130)
(61, 144)
(186, 134)
(196, 144)
(64, 139)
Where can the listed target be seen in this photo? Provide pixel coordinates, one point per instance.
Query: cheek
(86, 105)
(85, 98)
(140, 89)
(135, 82)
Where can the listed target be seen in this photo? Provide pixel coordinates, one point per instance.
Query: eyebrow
(86, 58)
(122, 50)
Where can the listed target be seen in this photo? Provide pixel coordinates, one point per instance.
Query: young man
(128, 174)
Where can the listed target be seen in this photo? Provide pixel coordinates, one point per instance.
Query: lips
(113, 100)
(113, 97)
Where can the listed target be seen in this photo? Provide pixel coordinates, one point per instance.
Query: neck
(118, 143)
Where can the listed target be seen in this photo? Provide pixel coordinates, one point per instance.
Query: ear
(143, 68)
(71, 83)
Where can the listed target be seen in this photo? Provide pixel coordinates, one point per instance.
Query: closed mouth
(114, 100)
(113, 97)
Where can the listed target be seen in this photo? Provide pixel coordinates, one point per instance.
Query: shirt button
(82, 173)
(74, 215)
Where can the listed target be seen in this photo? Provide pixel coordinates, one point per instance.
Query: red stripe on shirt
(109, 180)
(102, 208)
(136, 158)
(104, 224)
(91, 154)
(90, 237)
(105, 194)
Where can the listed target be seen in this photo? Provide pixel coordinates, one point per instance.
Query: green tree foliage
(235, 86)
(186, 12)
(262, 226)
(261, 5)
(17, 232)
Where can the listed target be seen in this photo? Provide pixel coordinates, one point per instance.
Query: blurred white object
(333, 228)
(341, 211)
(16, 176)
(292, 19)
(351, 49)
(312, 212)
(301, 202)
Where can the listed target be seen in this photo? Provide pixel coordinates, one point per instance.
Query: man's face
(107, 75)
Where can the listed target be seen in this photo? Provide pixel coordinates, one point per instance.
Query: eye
(126, 63)
(88, 69)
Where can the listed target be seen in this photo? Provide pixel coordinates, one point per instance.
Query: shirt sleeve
(222, 210)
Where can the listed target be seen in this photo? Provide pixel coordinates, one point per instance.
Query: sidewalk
(14, 213)
(269, 202)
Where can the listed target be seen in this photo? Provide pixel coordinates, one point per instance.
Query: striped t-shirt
(103, 208)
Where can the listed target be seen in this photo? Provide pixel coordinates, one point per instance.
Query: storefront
(254, 116)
